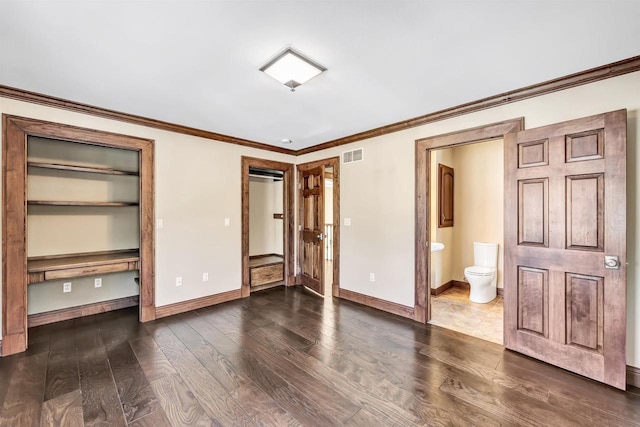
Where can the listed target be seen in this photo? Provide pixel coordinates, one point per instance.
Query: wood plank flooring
(286, 357)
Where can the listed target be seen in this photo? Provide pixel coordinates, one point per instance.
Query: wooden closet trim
(422, 312)
(289, 223)
(14, 260)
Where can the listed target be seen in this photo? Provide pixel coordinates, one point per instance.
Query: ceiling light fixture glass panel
(292, 68)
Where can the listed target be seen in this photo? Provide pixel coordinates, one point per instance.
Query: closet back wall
(266, 233)
(56, 230)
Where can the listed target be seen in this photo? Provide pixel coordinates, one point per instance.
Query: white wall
(266, 233)
(378, 193)
(197, 185)
(328, 201)
(478, 203)
(442, 235)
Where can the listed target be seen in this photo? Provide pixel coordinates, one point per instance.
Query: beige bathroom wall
(442, 235)
(197, 186)
(478, 203)
(265, 231)
(379, 192)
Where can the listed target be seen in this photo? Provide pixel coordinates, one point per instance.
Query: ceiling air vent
(352, 156)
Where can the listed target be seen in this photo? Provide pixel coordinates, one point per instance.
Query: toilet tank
(485, 254)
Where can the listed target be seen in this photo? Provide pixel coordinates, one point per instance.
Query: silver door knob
(611, 262)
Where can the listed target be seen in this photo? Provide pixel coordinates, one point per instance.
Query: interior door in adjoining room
(565, 238)
(312, 232)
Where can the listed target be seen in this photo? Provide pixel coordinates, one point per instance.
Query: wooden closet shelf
(76, 168)
(55, 267)
(74, 203)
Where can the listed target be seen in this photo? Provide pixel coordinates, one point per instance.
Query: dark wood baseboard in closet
(194, 304)
(80, 311)
(377, 303)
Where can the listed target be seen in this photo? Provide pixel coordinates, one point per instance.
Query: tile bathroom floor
(453, 310)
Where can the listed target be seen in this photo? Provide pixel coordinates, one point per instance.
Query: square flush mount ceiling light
(292, 69)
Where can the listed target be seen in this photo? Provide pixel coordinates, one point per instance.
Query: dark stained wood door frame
(288, 218)
(14, 217)
(333, 162)
(422, 311)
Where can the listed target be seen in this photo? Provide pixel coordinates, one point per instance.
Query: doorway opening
(267, 224)
(424, 230)
(328, 232)
(319, 232)
(466, 244)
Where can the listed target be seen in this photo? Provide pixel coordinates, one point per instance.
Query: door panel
(565, 209)
(312, 259)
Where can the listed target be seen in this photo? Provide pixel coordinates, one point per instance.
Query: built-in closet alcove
(267, 224)
(78, 210)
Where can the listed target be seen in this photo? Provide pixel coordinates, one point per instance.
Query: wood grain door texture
(312, 233)
(565, 211)
(445, 196)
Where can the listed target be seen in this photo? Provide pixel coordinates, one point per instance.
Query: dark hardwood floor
(286, 357)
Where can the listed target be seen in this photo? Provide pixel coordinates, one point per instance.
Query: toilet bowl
(482, 276)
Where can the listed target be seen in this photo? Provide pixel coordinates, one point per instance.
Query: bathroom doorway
(466, 222)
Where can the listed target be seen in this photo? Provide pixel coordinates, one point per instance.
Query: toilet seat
(479, 271)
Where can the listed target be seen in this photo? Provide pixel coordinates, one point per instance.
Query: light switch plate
(97, 282)
(160, 223)
(66, 287)
(227, 222)
(347, 222)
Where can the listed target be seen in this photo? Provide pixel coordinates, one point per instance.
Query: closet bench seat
(40, 269)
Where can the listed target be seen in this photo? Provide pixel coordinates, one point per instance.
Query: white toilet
(482, 276)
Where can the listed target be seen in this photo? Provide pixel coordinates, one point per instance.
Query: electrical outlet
(97, 283)
(372, 277)
(347, 222)
(66, 287)
(160, 223)
(178, 281)
(205, 277)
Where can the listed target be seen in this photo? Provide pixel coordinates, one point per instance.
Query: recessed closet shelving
(78, 206)
(63, 193)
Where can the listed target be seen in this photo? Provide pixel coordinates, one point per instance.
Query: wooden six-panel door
(311, 235)
(565, 210)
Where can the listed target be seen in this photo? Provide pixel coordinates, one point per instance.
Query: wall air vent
(352, 156)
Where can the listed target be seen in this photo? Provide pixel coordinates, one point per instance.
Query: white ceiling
(196, 63)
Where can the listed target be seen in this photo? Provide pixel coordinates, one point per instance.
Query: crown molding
(592, 75)
(50, 101)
